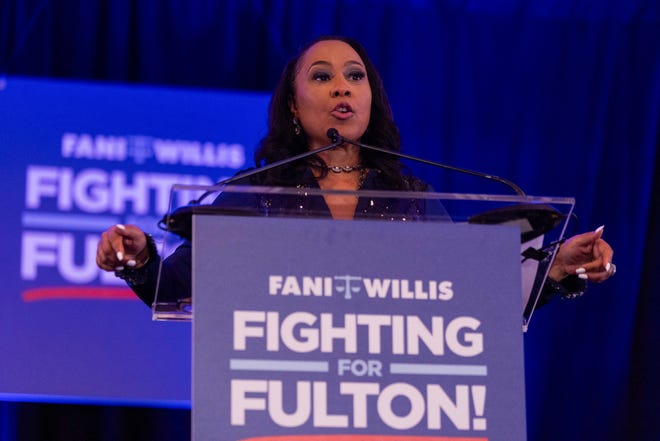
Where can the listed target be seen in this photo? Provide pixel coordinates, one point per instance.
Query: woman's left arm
(586, 255)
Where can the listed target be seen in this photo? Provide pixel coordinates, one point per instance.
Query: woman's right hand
(120, 246)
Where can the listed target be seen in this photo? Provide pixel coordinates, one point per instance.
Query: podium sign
(317, 329)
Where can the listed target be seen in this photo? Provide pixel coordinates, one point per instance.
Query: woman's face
(331, 90)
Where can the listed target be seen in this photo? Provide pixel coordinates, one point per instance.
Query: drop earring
(297, 129)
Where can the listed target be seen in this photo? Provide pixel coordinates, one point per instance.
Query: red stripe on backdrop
(362, 438)
(78, 293)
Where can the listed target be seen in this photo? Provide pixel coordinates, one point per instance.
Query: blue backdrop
(561, 96)
(91, 156)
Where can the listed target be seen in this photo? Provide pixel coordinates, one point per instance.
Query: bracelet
(139, 276)
(570, 289)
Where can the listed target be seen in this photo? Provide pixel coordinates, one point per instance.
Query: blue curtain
(562, 97)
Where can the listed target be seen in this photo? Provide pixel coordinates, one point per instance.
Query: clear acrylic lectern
(543, 222)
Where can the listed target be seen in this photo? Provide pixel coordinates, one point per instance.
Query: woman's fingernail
(607, 267)
(583, 276)
(599, 229)
(120, 226)
(131, 263)
(119, 268)
(580, 271)
(120, 256)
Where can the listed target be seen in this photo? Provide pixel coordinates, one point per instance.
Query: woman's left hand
(587, 255)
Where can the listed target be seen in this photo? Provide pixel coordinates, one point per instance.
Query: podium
(398, 326)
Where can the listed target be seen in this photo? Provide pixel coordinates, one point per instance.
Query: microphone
(534, 219)
(334, 136)
(256, 171)
(180, 220)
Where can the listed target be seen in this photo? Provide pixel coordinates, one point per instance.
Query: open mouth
(343, 109)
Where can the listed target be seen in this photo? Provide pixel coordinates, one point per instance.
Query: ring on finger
(610, 268)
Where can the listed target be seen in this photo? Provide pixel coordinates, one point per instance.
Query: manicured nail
(607, 267)
(120, 256)
(580, 271)
(120, 226)
(131, 263)
(599, 229)
(583, 276)
(119, 268)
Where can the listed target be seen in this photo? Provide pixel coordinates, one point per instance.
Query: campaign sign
(311, 329)
(77, 158)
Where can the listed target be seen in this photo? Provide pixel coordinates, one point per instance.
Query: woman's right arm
(122, 246)
(132, 255)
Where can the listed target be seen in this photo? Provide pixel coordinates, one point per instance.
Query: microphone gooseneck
(179, 221)
(335, 137)
(541, 218)
(267, 167)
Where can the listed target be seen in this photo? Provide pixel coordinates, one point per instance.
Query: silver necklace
(344, 169)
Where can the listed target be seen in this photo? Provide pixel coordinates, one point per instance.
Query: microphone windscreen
(333, 134)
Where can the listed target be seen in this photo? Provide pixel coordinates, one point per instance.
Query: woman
(331, 83)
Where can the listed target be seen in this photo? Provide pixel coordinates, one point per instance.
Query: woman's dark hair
(281, 141)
